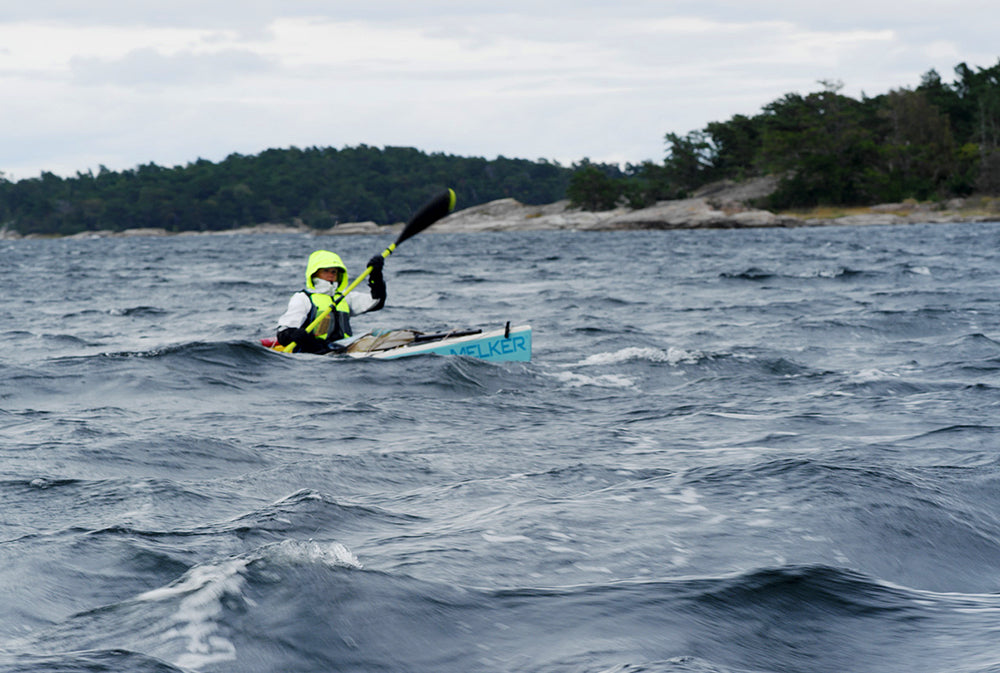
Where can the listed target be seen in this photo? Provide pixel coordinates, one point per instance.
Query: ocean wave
(671, 356)
(811, 618)
(138, 311)
(234, 352)
(300, 513)
(202, 602)
(624, 368)
(194, 622)
(752, 273)
(114, 659)
(757, 274)
(311, 552)
(877, 383)
(576, 380)
(304, 511)
(299, 601)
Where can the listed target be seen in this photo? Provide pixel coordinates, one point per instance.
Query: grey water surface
(742, 450)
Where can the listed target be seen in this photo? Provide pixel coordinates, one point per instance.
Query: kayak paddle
(429, 213)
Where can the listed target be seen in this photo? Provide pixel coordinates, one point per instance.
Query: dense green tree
(318, 186)
(822, 146)
(734, 147)
(591, 188)
(689, 159)
(918, 152)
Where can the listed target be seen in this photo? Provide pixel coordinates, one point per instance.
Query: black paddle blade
(429, 213)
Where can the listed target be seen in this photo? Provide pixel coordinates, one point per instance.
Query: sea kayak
(504, 344)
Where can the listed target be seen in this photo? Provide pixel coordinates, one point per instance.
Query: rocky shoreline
(696, 213)
(721, 206)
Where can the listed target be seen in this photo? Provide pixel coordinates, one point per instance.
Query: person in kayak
(326, 278)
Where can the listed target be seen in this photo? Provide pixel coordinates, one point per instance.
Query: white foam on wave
(574, 380)
(625, 355)
(670, 356)
(869, 375)
(493, 536)
(331, 554)
(204, 588)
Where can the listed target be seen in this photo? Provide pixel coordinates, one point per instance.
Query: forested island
(932, 143)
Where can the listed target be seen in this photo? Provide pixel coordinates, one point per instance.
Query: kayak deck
(506, 344)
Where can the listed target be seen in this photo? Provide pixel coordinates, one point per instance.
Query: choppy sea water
(758, 450)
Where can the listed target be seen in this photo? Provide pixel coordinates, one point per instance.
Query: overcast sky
(120, 83)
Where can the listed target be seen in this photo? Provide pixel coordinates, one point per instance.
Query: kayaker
(326, 277)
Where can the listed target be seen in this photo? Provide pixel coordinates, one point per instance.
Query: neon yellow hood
(324, 259)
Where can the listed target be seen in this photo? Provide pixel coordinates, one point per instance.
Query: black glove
(304, 341)
(376, 283)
